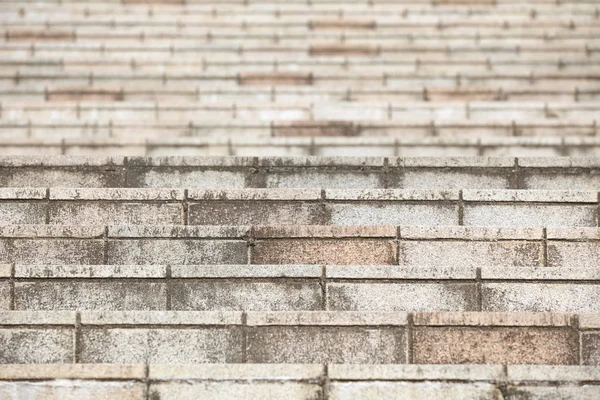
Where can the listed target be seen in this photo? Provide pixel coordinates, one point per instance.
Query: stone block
(414, 390)
(540, 297)
(324, 251)
(184, 251)
(529, 215)
(590, 348)
(326, 344)
(398, 296)
(62, 177)
(36, 345)
(110, 295)
(233, 295)
(320, 178)
(448, 253)
(391, 213)
(184, 177)
(235, 390)
(5, 295)
(105, 213)
(494, 345)
(166, 345)
(411, 372)
(73, 390)
(563, 391)
(52, 251)
(257, 213)
(573, 254)
(15, 213)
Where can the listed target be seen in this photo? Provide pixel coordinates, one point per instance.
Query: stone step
(559, 173)
(170, 337)
(414, 246)
(298, 381)
(138, 206)
(325, 146)
(299, 288)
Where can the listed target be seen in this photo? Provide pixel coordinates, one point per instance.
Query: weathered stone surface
(411, 372)
(590, 348)
(314, 178)
(573, 254)
(26, 372)
(414, 390)
(36, 346)
(90, 295)
(163, 251)
(5, 295)
(438, 178)
(161, 346)
(61, 177)
(473, 254)
(245, 295)
(257, 213)
(350, 296)
(306, 344)
(499, 345)
(54, 251)
(236, 390)
(184, 177)
(530, 215)
(105, 213)
(22, 213)
(72, 390)
(540, 297)
(324, 251)
(564, 391)
(90, 271)
(386, 213)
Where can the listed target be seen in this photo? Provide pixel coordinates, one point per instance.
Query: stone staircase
(303, 199)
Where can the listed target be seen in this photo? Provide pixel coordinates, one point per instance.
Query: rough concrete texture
(226, 295)
(161, 346)
(72, 390)
(39, 345)
(257, 213)
(324, 251)
(530, 215)
(236, 390)
(519, 345)
(414, 390)
(300, 344)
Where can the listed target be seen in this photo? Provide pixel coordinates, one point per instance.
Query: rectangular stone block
(573, 254)
(5, 295)
(110, 295)
(313, 128)
(83, 176)
(470, 253)
(316, 178)
(398, 296)
(161, 345)
(32, 372)
(234, 295)
(247, 271)
(52, 251)
(90, 271)
(181, 251)
(326, 344)
(96, 94)
(37, 345)
(257, 213)
(236, 390)
(411, 372)
(105, 213)
(590, 348)
(494, 345)
(438, 178)
(274, 78)
(372, 272)
(73, 390)
(540, 297)
(391, 213)
(567, 179)
(15, 213)
(342, 50)
(545, 373)
(564, 391)
(324, 251)
(413, 390)
(185, 177)
(529, 215)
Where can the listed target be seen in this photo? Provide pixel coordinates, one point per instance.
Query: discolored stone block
(326, 344)
(15, 213)
(105, 213)
(73, 390)
(414, 390)
(257, 213)
(236, 390)
(494, 345)
(324, 251)
(110, 294)
(238, 294)
(164, 251)
(52, 251)
(590, 348)
(36, 345)
(161, 346)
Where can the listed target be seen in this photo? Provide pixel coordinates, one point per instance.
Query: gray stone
(189, 178)
(540, 297)
(38, 346)
(563, 392)
(331, 344)
(414, 390)
(573, 254)
(105, 213)
(246, 295)
(5, 295)
(164, 251)
(349, 296)
(73, 390)
(90, 295)
(529, 215)
(391, 213)
(22, 213)
(257, 213)
(55, 251)
(161, 346)
(235, 390)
